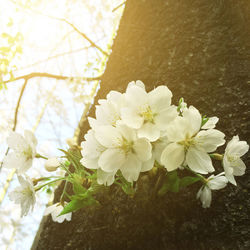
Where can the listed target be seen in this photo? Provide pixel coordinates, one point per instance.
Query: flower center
(28, 153)
(126, 146)
(189, 141)
(148, 115)
(232, 158)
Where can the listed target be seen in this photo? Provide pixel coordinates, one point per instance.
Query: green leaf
(78, 188)
(77, 204)
(171, 183)
(204, 120)
(188, 180)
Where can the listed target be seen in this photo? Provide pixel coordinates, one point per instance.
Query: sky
(51, 108)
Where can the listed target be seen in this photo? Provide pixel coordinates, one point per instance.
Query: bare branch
(48, 75)
(18, 103)
(72, 25)
(117, 7)
(53, 57)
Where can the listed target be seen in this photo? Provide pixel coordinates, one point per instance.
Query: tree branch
(72, 25)
(18, 103)
(48, 75)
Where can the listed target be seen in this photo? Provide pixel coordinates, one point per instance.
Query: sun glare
(69, 38)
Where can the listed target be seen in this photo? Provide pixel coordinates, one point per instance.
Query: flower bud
(52, 164)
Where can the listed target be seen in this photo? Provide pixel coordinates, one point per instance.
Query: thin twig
(18, 103)
(117, 7)
(48, 75)
(72, 25)
(53, 57)
(15, 116)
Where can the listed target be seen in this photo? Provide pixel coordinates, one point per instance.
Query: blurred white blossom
(24, 195)
(24, 151)
(55, 210)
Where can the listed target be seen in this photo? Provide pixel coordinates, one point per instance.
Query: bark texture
(200, 50)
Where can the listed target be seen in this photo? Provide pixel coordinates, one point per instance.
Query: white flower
(232, 163)
(52, 164)
(189, 145)
(55, 210)
(91, 151)
(24, 195)
(124, 150)
(212, 183)
(149, 113)
(108, 112)
(211, 122)
(24, 151)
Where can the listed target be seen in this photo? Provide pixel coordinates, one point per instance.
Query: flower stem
(40, 156)
(64, 190)
(48, 183)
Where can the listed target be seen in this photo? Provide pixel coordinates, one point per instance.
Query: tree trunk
(200, 50)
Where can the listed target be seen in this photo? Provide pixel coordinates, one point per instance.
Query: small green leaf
(171, 183)
(78, 188)
(188, 180)
(77, 204)
(204, 120)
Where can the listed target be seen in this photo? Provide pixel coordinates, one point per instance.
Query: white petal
(206, 197)
(143, 148)
(217, 182)
(131, 168)
(166, 116)
(26, 164)
(126, 132)
(148, 165)
(172, 156)
(210, 123)
(50, 209)
(160, 98)
(236, 147)
(93, 123)
(199, 161)
(131, 117)
(111, 160)
(12, 160)
(90, 163)
(91, 148)
(210, 139)
(239, 167)
(193, 117)
(16, 142)
(30, 138)
(149, 131)
(136, 96)
(177, 130)
(105, 178)
(108, 136)
(228, 171)
(137, 83)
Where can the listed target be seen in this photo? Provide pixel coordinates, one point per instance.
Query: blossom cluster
(133, 132)
(135, 129)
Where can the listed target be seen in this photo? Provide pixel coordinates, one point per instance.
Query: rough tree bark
(200, 50)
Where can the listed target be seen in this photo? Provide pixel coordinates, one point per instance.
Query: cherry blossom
(24, 151)
(190, 145)
(212, 183)
(232, 163)
(55, 210)
(24, 195)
